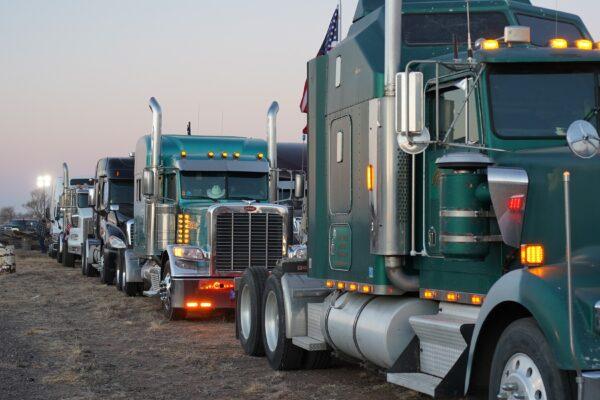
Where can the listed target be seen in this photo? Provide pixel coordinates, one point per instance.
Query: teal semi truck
(453, 182)
(202, 215)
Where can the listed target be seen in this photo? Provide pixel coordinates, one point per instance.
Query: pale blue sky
(75, 76)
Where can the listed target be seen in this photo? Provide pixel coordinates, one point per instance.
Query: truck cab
(201, 217)
(460, 259)
(112, 201)
(81, 227)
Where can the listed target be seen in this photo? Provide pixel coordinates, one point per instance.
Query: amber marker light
(192, 304)
(206, 304)
(584, 44)
(476, 299)
(490, 44)
(224, 154)
(236, 155)
(330, 284)
(341, 285)
(366, 289)
(353, 287)
(183, 154)
(260, 156)
(429, 294)
(370, 177)
(532, 255)
(559, 43)
(211, 154)
(452, 296)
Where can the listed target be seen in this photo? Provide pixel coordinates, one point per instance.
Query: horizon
(76, 77)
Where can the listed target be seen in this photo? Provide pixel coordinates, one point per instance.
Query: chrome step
(155, 288)
(309, 344)
(417, 381)
(441, 340)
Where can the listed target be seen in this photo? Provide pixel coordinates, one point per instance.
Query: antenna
(556, 21)
(469, 40)
(189, 128)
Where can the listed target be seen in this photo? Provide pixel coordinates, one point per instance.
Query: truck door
(459, 123)
(340, 193)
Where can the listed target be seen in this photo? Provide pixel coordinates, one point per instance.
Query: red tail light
(516, 203)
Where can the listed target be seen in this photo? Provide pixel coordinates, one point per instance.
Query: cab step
(155, 288)
(314, 340)
(435, 361)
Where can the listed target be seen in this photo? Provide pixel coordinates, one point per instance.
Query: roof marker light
(236, 155)
(490, 45)
(559, 43)
(260, 156)
(224, 154)
(211, 154)
(183, 154)
(584, 44)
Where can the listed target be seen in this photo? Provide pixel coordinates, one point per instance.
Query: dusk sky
(76, 76)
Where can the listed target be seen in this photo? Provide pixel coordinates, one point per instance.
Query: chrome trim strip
(467, 214)
(470, 239)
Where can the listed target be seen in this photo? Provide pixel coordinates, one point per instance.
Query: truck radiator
(244, 240)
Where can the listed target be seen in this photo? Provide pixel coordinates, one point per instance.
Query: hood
(544, 220)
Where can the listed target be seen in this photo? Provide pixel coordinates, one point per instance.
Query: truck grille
(244, 240)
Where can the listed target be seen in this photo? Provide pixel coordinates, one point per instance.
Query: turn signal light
(192, 304)
(183, 229)
(584, 44)
(206, 304)
(532, 255)
(370, 177)
(559, 43)
(490, 45)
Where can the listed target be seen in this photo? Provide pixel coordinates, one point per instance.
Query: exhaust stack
(156, 141)
(393, 44)
(65, 176)
(272, 150)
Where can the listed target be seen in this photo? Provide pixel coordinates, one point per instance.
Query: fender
(298, 291)
(542, 293)
(113, 230)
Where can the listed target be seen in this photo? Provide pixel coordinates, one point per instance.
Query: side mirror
(299, 186)
(114, 207)
(410, 113)
(148, 183)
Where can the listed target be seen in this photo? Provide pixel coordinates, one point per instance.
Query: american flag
(331, 39)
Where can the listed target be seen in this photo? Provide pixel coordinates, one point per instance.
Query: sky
(76, 76)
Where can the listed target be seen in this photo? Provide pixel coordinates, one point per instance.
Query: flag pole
(340, 34)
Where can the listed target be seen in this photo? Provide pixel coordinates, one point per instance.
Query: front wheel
(281, 353)
(107, 267)
(171, 313)
(524, 367)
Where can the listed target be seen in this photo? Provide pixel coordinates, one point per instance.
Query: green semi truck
(453, 219)
(204, 211)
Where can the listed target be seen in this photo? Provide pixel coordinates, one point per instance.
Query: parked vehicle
(202, 217)
(112, 203)
(452, 206)
(82, 225)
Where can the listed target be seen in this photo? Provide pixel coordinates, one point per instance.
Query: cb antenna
(469, 40)
(189, 128)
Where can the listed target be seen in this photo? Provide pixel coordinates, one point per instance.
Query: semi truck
(112, 202)
(453, 178)
(202, 215)
(81, 227)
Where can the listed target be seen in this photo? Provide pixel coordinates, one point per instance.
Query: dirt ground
(64, 336)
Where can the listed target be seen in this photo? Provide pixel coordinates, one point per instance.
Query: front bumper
(186, 290)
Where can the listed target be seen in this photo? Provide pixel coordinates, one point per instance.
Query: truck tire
(69, 258)
(65, 254)
(59, 255)
(524, 364)
(107, 272)
(86, 268)
(281, 353)
(171, 313)
(119, 271)
(248, 311)
(131, 289)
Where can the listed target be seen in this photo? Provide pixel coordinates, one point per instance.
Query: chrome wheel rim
(271, 321)
(245, 312)
(521, 379)
(167, 298)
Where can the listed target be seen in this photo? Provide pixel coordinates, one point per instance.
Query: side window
(105, 193)
(458, 117)
(138, 189)
(340, 166)
(170, 188)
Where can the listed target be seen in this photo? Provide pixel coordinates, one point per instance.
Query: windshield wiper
(593, 112)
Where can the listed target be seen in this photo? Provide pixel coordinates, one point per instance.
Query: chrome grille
(244, 240)
(130, 226)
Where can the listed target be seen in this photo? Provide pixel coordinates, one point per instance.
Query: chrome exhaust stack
(272, 150)
(65, 176)
(391, 235)
(156, 141)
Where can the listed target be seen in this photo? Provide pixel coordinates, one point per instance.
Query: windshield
(541, 102)
(82, 200)
(121, 192)
(224, 185)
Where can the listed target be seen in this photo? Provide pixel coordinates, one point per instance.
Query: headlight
(189, 253)
(116, 243)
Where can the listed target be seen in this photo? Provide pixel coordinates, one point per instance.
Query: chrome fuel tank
(372, 328)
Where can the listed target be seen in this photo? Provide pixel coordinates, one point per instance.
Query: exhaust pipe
(389, 213)
(65, 176)
(272, 150)
(156, 141)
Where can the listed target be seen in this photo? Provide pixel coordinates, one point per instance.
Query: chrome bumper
(184, 290)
